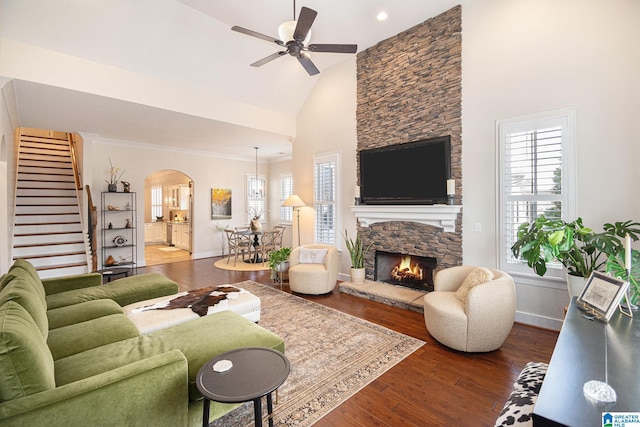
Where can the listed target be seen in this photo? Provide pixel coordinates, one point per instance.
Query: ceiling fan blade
(258, 35)
(308, 65)
(269, 58)
(335, 48)
(305, 20)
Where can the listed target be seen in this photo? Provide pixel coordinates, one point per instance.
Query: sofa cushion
(26, 266)
(312, 256)
(26, 364)
(94, 333)
(77, 313)
(477, 276)
(21, 291)
(123, 291)
(4, 279)
(199, 340)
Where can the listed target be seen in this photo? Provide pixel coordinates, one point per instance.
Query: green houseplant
(578, 248)
(357, 252)
(615, 266)
(278, 261)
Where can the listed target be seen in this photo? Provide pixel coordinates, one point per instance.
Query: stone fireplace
(409, 89)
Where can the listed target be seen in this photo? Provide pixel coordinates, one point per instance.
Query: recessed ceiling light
(382, 16)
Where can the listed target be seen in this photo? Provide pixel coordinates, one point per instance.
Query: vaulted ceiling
(186, 44)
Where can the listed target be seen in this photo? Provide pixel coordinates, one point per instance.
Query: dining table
(256, 243)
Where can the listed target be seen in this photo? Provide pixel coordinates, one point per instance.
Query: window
(256, 197)
(286, 190)
(536, 176)
(156, 201)
(325, 197)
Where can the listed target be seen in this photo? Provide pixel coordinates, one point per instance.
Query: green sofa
(70, 356)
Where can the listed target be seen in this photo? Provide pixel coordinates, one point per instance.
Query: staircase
(47, 228)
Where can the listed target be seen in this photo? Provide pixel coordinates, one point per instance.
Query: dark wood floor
(435, 386)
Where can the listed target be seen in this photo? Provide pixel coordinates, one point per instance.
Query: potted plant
(278, 262)
(615, 266)
(357, 252)
(578, 248)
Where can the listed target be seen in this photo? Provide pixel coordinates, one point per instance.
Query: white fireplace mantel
(442, 216)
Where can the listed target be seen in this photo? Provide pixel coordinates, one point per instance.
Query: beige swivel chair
(475, 318)
(312, 270)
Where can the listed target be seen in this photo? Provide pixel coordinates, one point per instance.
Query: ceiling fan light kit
(294, 36)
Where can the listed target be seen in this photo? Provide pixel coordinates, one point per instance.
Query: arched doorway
(168, 197)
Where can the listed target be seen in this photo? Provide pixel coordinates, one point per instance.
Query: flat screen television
(406, 174)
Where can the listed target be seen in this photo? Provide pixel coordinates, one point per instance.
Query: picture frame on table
(601, 295)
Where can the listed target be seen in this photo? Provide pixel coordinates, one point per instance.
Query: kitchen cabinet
(181, 236)
(177, 197)
(155, 232)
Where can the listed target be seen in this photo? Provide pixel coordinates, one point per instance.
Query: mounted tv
(406, 174)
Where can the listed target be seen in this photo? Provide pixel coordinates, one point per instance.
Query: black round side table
(256, 372)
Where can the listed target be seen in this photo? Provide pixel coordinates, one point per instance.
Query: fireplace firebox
(412, 271)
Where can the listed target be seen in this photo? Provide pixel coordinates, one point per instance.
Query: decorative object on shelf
(578, 248)
(128, 205)
(278, 262)
(221, 203)
(110, 261)
(356, 194)
(128, 224)
(357, 252)
(295, 202)
(111, 207)
(127, 186)
(110, 226)
(114, 177)
(601, 295)
(119, 240)
(451, 191)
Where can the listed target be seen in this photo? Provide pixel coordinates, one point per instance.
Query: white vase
(575, 285)
(357, 275)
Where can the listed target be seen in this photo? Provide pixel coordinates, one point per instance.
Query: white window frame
(286, 190)
(333, 157)
(566, 119)
(256, 201)
(157, 204)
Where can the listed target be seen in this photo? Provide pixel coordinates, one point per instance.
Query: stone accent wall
(409, 89)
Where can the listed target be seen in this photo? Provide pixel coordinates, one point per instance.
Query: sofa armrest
(151, 391)
(56, 285)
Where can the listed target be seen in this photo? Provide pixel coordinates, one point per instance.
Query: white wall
(327, 124)
(206, 172)
(528, 56)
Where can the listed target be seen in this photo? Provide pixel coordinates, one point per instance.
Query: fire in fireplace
(412, 271)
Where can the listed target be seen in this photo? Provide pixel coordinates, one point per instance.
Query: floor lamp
(296, 203)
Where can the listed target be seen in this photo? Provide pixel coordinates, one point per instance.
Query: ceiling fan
(295, 36)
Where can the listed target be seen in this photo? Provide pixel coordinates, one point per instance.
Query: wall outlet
(477, 227)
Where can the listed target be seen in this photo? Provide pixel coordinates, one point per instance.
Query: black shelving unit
(119, 236)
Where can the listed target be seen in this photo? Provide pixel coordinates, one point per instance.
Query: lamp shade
(294, 201)
(286, 30)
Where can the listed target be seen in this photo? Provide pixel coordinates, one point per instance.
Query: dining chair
(237, 245)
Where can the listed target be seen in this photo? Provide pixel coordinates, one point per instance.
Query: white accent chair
(313, 278)
(480, 322)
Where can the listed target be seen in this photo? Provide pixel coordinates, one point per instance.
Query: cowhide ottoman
(519, 407)
(163, 312)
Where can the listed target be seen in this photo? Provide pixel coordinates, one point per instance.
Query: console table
(579, 356)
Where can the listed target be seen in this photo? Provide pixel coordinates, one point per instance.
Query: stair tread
(35, 245)
(62, 254)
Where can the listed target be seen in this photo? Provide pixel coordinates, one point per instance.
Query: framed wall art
(220, 203)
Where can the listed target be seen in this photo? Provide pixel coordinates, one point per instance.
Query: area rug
(333, 355)
(169, 249)
(240, 265)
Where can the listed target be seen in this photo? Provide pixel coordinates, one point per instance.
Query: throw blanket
(198, 300)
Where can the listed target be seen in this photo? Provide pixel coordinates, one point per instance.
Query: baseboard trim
(539, 321)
